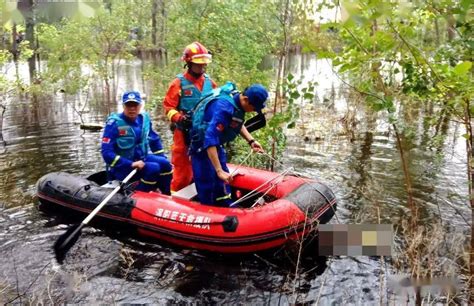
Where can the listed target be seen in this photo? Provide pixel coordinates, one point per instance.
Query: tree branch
(411, 49)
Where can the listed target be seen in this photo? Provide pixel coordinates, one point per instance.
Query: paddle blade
(66, 241)
(255, 123)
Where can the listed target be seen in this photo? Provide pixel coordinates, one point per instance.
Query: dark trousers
(211, 189)
(157, 173)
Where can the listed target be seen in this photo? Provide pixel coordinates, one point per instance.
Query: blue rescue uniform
(222, 123)
(124, 142)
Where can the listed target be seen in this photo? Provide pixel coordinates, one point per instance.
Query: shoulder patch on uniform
(110, 121)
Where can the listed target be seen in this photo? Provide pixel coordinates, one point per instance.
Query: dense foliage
(404, 52)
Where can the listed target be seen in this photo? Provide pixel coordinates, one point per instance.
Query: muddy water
(111, 267)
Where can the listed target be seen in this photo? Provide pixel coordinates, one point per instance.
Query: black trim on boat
(84, 193)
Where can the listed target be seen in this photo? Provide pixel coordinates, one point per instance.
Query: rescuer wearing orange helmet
(183, 94)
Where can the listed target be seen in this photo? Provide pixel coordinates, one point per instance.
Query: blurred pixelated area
(355, 239)
(405, 285)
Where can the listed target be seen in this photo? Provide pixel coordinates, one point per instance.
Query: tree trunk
(108, 5)
(406, 173)
(470, 178)
(27, 8)
(105, 74)
(155, 48)
(281, 72)
(154, 11)
(38, 58)
(114, 77)
(2, 112)
(380, 85)
(437, 31)
(162, 52)
(14, 49)
(107, 93)
(451, 27)
(15, 52)
(278, 97)
(157, 37)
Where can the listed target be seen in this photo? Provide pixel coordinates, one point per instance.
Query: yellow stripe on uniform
(171, 113)
(224, 197)
(159, 151)
(167, 173)
(117, 157)
(147, 182)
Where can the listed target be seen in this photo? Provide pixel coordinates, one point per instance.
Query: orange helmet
(196, 53)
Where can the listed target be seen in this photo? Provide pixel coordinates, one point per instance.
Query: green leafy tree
(12, 50)
(101, 42)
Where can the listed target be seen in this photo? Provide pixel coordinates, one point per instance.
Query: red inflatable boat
(271, 209)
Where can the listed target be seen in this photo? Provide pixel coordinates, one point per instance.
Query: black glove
(184, 123)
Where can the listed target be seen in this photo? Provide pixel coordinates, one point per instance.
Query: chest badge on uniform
(220, 127)
(188, 92)
(122, 132)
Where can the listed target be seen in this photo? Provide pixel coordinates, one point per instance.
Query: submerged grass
(434, 263)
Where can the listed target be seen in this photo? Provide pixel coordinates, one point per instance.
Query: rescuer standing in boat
(219, 119)
(129, 142)
(183, 94)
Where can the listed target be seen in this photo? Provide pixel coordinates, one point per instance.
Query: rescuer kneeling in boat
(217, 119)
(129, 142)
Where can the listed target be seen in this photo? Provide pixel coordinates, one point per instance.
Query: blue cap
(131, 96)
(257, 95)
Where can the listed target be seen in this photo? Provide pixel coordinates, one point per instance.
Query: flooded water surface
(361, 166)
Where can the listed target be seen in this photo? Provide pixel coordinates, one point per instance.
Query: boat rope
(240, 165)
(298, 175)
(290, 169)
(254, 191)
(272, 185)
